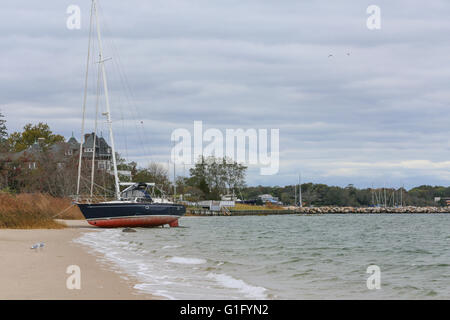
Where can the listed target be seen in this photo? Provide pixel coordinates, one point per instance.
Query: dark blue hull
(110, 215)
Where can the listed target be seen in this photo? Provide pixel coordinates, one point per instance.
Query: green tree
(198, 176)
(31, 134)
(217, 176)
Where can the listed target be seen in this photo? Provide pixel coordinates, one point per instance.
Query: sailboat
(132, 207)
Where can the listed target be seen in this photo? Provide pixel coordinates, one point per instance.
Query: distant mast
(300, 190)
(295, 195)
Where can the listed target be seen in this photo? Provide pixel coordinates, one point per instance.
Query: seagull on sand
(37, 245)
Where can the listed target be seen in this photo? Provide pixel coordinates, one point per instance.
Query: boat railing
(87, 199)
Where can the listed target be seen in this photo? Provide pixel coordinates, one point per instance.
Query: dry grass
(34, 211)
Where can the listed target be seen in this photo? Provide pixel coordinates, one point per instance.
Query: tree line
(324, 195)
(209, 179)
(53, 172)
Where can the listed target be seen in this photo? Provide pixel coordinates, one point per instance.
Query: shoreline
(40, 274)
(322, 210)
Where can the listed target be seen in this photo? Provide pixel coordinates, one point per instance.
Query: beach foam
(183, 260)
(170, 247)
(232, 283)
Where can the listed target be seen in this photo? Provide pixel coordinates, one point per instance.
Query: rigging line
(97, 185)
(128, 98)
(124, 135)
(127, 87)
(139, 133)
(84, 182)
(140, 129)
(95, 130)
(84, 101)
(108, 167)
(63, 211)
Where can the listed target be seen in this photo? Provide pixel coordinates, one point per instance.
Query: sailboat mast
(108, 113)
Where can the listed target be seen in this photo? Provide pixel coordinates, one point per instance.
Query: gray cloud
(355, 118)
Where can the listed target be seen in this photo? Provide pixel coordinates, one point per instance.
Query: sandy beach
(27, 273)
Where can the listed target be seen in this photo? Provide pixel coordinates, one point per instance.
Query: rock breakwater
(368, 210)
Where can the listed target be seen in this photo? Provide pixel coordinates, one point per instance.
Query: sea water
(284, 257)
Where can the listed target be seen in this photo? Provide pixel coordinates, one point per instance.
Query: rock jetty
(319, 210)
(339, 210)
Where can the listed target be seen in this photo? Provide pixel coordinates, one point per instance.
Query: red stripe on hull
(134, 222)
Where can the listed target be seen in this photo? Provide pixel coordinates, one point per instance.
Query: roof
(101, 146)
(73, 141)
(102, 149)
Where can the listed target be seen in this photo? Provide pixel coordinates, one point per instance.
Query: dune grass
(34, 211)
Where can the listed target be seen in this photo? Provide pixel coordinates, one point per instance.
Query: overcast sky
(375, 112)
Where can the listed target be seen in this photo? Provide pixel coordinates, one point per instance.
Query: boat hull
(116, 215)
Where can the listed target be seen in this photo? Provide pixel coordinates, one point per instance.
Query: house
(103, 153)
(216, 205)
(29, 158)
(62, 152)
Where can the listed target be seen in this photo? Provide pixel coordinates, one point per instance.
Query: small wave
(431, 293)
(183, 260)
(302, 274)
(170, 247)
(247, 289)
(148, 288)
